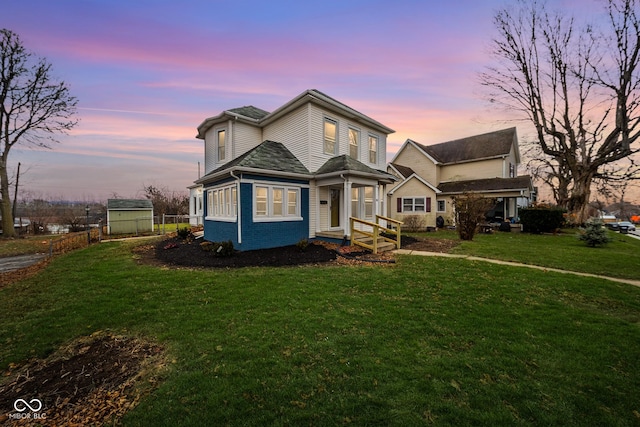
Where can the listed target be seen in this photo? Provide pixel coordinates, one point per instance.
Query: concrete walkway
(13, 263)
(516, 264)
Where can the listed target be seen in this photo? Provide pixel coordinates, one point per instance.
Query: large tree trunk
(578, 203)
(6, 207)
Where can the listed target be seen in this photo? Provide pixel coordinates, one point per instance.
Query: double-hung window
(222, 203)
(222, 144)
(354, 142)
(415, 204)
(330, 136)
(276, 203)
(442, 205)
(373, 149)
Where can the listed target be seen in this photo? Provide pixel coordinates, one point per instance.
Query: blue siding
(221, 231)
(260, 235)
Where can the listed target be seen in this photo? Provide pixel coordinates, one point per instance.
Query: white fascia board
(415, 144)
(413, 175)
(237, 170)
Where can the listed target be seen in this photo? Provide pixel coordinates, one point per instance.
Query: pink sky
(146, 73)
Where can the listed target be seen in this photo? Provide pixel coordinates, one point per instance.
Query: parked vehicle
(626, 225)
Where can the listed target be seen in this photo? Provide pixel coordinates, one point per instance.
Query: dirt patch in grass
(428, 245)
(92, 381)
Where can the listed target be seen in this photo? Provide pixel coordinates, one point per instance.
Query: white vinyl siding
(292, 130)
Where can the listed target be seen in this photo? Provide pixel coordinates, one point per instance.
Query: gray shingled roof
(488, 145)
(489, 184)
(269, 155)
(405, 171)
(250, 111)
(129, 204)
(345, 163)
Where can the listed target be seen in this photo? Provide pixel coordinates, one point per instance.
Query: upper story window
(373, 149)
(222, 144)
(354, 142)
(330, 133)
(512, 170)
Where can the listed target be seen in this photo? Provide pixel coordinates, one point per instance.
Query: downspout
(238, 210)
(347, 206)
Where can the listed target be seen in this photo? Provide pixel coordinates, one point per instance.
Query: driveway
(21, 261)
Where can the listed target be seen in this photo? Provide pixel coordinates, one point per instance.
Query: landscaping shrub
(303, 244)
(594, 233)
(413, 223)
(541, 219)
(471, 210)
(184, 232)
(218, 249)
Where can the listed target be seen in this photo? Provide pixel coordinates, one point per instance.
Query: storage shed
(129, 216)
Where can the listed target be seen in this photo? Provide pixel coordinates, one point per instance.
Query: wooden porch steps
(383, 245)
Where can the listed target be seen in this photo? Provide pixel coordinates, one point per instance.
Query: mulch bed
(188, 253)
(92, 381)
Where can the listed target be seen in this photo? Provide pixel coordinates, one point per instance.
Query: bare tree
(166, 201)
(578, 87)
(34, 107)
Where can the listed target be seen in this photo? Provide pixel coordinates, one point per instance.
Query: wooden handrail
(375, 235)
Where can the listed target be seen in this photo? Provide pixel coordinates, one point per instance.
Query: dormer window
(330, 133)
(221, 144)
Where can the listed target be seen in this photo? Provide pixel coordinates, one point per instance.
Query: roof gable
(485, 146)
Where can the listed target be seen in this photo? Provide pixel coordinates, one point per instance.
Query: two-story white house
(274, 178)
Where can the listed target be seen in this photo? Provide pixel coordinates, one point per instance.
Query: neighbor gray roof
(348, 164)
(270, 156)
(125, 204)
(405, 171)
(487, 185)
(485, 146)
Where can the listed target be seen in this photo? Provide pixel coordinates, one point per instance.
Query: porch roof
(489, 185)
(345, 164)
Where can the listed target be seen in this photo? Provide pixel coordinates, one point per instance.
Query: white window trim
(413, 204)
(358, 141)
(369, 151)
(270, 217)
(324, 136)
(226, 137)
(444, 202)
(216, 198)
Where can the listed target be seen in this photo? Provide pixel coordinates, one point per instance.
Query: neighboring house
(129, 216)
(430, 176)
(300, 172)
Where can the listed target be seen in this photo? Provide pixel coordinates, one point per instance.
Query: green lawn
(426, 341)
(619, 258)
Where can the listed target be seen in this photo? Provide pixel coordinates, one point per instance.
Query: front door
(335, 209)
